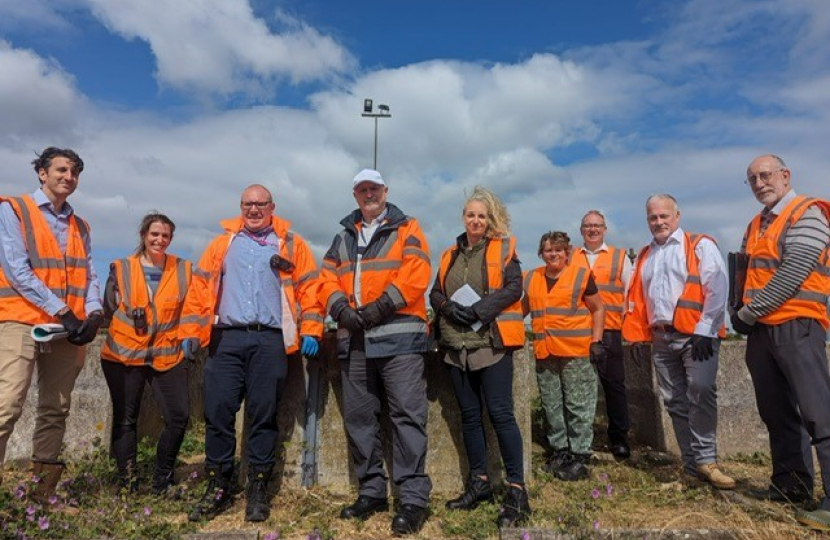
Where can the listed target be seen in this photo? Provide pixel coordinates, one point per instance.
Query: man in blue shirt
(46, 276)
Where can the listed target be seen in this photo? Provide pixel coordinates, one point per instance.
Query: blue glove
(190, 348)
(310, 346)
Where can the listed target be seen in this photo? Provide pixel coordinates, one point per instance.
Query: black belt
(252, 328)
(665, 328)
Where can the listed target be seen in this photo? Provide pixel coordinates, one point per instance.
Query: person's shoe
(47, 476)
(515, 509)
(818, 520)
(163, 483)
(217, 497)
(409, 519)
(621, 450)
(364, 507)
(710, 472)
(478, 490)
(558, 459)
(575, 469)
(257, 507)
(781, 495)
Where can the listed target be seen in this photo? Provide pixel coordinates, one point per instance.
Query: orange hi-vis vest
(765, 257)
(560, 319)
(66, 275)
(301, 312)
(500, 251)
(608, 271)
(689, 308)
(159, 347)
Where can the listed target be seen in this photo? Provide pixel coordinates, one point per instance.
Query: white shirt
(627, 268)
(364, 236)
(664, 277)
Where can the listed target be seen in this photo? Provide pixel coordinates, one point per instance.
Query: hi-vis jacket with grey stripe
(396, 262)
(159, 346)
(66, 275)
(689, 307)
(301, 312)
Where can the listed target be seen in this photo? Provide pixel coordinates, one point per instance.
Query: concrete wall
(739, 430)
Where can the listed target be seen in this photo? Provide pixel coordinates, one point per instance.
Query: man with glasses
(243, 304)
(611, 269)
(373, 281)
(784, 315)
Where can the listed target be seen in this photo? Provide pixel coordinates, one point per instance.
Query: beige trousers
(56, 374)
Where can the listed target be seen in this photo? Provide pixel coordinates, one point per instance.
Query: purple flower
(596, 525)
(43, 523)
(314, 535)
(219, 494)
(271, 536)
(30, 510)
(53, 499)
(603, 477)
(194, 475)
(20, 492)
(147, 511)
(595, 493)
(609, 490)
(525, 535)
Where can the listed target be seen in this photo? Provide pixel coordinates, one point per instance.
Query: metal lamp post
(368, 112)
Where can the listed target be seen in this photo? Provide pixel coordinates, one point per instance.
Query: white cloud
(221, 47)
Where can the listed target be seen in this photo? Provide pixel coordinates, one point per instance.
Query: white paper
(47, 332)
(466, 296)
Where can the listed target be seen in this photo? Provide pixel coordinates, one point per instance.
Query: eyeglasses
(593, 226)
(247, 205)
(764, 176)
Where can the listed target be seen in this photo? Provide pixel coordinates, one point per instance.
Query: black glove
(702, 348)
(70, 322)
(640, 352)
(599, 354)
(374, 313)
(88, 330)
(739, 325)
(346, 316)
(466, 315)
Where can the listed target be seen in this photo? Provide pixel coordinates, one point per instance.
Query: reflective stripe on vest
(562, 323)
(608, 270)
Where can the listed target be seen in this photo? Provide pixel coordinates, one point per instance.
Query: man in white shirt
(676, 301)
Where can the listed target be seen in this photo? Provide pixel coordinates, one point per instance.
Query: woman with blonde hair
(477, 335)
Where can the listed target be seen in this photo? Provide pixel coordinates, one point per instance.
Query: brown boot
(48, 475)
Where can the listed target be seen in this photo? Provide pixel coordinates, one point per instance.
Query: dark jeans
(250, 366)
(495, 384)
(612, 376)
(170, 390)
(788, 365)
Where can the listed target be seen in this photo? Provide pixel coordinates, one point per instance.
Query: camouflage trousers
(568, 388)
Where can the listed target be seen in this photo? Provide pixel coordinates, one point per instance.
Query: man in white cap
(373, 281)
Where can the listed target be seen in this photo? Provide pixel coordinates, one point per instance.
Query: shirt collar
(601, 248)
(782, 204)
(41, 199)
(675, 238)
(378, 220)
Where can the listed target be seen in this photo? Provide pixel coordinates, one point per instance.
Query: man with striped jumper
(784, 315)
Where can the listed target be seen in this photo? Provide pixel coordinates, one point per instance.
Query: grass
(647, 492)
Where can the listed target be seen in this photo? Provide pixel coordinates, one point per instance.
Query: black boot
(515, 509)
(163, 484)
(258, 507)
(217, 495)
(558, 459)
(575, 469)
(477, 491)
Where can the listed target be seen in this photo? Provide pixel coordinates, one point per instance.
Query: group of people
(256, 296)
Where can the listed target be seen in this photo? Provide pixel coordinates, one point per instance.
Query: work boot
(710, 472)
(364, 507)
(217, 497)
(47, 476)
(163, 483)
(575, 469)
(408, 519)
(257, 506)
(558, 459)
(515, 508)
(477, 491)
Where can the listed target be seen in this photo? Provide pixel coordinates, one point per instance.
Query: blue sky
(559, 107)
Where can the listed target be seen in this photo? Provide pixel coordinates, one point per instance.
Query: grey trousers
(788, 365)
(690, 395)
(401, 380)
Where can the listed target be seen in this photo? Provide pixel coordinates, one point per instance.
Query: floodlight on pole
(368, 112)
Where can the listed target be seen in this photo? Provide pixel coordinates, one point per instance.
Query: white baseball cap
(368, 175)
